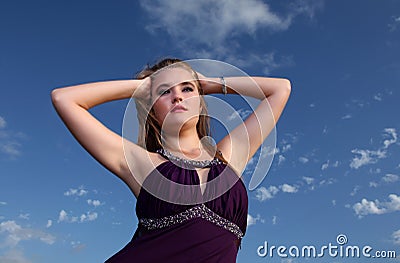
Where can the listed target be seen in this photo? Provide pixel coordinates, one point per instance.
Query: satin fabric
(197, 239)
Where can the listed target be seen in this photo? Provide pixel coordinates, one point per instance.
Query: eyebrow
(168, 85)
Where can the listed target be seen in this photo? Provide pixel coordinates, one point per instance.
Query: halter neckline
(188, 162)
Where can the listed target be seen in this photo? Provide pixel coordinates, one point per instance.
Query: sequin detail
(188, 162)
(198, 211)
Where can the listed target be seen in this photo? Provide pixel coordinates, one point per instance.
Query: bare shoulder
(138, 164)
(234, 161)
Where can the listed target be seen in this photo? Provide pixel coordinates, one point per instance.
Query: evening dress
(209, 231)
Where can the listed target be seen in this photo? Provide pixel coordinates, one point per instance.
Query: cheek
(159, 110)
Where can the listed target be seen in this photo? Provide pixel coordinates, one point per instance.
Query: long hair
(149, 136)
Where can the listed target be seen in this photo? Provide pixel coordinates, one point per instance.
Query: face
(176, 100)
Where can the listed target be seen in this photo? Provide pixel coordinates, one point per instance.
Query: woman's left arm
(242, 143)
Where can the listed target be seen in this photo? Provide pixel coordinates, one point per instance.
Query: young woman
(191, 205)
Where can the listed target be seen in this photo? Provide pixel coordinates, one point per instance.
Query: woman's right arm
(107, 147)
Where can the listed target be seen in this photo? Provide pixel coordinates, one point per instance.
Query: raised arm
(72, 105)
(273, 94)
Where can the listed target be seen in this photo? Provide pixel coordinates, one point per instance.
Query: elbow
(59, 97)
(287, 86)
(56, 96)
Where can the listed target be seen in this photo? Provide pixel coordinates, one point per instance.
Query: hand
(143, 90)
(209, 85)
(204, 82)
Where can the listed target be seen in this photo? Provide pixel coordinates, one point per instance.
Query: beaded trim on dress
(198, 211)
(188, 162)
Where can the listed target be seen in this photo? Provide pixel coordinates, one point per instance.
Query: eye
(163, 92)
(188, 89)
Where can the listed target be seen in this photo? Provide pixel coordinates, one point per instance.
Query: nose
(177, 97)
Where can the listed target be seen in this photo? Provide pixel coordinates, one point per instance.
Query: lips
(178, 108)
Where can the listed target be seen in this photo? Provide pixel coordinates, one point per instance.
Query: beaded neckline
(187, 162)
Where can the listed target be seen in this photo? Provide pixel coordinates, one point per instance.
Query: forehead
(171, 76)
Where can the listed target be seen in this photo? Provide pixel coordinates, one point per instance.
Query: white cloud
(366, 157)
(274, 220)
(334, 202)
(375, 171)
(203, 28)
(325, 165)
(388, 178)
(308, 180)
(366, 207)
(268, 151)
(253, 220)
(396, 237)
(10, 140)
(95, 203)
(3, 203)
(347, 116)
(373, 184)
(328, 164)
(307, 7)
(11, 148)
(328, 181)
(391, 133)
(286, 188)
(76, 192)
(24, 216)
(355, 190)
(64, 217)
(77, 246)
(303, 159)
(211, 22)
(263, 193)
(242, 113)
(378, 97)
(269, 61)
(16, 233)
(281, 159)
(49, 223)
(394, 24)
(391, 178)
(372, 156)
(14, 256)
(89, 216)
(286, 147)
(3, 123)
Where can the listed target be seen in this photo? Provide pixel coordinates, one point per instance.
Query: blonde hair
(149, 136)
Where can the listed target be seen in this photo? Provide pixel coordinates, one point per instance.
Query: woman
(191, 205)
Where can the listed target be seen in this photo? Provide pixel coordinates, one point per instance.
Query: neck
(186, 143)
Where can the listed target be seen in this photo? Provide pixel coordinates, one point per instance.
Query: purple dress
(207, 230)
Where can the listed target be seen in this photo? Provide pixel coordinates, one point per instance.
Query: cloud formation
(14, 256)
(365, 157)
(376, 207)
(286, 188)
(10, 144)
(396, 237)
(253, 220)
(94, 203)
(211, 22)
(65, 217)
(76, 192)
(263, 194)
(16, 233)
(210, 28)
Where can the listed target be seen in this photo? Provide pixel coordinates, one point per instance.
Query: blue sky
(336, 168)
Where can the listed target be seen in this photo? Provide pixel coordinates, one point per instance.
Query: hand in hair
(143, 91)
